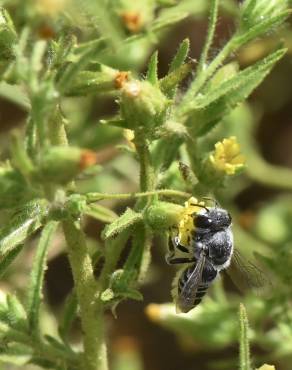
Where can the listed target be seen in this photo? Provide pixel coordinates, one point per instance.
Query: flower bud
(135, 15)
(62, 164)
(253, 12)
(163, 215)
(143, 106)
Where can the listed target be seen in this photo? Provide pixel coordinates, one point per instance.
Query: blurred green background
(152, 337)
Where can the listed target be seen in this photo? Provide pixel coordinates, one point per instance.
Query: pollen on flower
(227, 157)
(186, 223)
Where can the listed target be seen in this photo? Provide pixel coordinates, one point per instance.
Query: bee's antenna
(200, 205)
(213, 200)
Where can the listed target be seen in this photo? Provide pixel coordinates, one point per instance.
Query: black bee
(211, 250)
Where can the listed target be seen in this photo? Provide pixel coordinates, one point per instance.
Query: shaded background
(135, 341)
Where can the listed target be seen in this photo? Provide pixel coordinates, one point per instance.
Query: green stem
(206, 74)
(244, 355)
(147, 180)
(94, 197)
(210, 35)
(92, 320)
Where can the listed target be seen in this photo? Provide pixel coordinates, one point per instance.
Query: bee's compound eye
(203, 221)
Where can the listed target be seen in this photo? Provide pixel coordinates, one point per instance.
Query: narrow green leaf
(266, 25)
(100, 213)
(15, 94)
(16, 313)
(209, 109)
(123, 282)
(8, 258)
(180, 56)
(169, 83)
(37, 277)
(152, 71)
(128, 219)
(244, 355)
(210, 34)
(74, 68)
(69, 314)
(22, 224)
(55, 343)
(15, 354)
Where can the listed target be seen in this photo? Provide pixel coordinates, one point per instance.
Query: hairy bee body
(209, 248)
(203, 245)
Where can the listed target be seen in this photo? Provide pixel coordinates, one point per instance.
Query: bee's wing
(246, 275)
(187, 295)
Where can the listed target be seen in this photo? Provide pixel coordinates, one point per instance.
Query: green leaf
(16, 354)
(74, 68)
(267, 25)
(152, 71)
(128, 219)
(244, 355)
(69, 314)
(15, 94)
(37, 277)
(209, 109)
(25, 222)
(180, 56)
(123, 281)
(210, 35)
(8, 258)
(169, 83)
(100, 213)
(16, 313)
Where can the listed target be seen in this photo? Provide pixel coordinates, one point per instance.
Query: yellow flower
(267, 367)
(227, 157)
(186, 223)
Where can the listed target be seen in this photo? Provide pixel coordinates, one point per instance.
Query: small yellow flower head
(186, 223)
(267, 367)
(227, 157)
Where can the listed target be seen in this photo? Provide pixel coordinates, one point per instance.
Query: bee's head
(214, 218)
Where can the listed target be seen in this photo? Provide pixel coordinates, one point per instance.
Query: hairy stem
(94, 197)
(210, 35)
(86, 289)
(244, 354)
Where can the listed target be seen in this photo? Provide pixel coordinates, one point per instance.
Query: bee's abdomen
(201, 291)
(208, 276)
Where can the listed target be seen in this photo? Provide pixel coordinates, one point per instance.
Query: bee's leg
(172, 246)
(179, 260)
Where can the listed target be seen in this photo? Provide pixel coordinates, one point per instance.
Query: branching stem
(86, 289)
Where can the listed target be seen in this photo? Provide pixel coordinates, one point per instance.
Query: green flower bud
(7, 35)
(143, 106)
(163, 215)
(62, 164)
(253, 12)
(103, 80)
